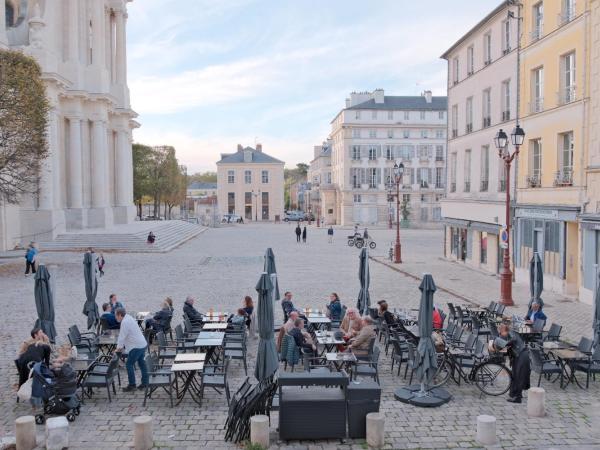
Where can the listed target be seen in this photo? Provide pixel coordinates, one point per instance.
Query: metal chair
(92, 380)
(553, 333)
(544, 366)
(158, 378)
(184, 342)
(215, 376)
(591, 367)
(399, 352)
(87, 347)
(368, 368)
(237, 352)
(410, 363)
(585, 345)
(165, 351)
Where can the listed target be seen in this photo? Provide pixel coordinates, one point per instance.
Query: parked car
(231, 218)
(293, 216)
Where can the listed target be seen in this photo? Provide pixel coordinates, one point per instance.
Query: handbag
(24, 392)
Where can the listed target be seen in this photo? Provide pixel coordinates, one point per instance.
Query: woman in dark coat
(304, 235)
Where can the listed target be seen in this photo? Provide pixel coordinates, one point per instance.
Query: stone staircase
(128, 238)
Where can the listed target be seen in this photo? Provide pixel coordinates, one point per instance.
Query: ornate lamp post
(501, 142)
(256, 201)
(390, 197)
(398, 172)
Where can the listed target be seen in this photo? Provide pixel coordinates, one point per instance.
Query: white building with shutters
(368, 136)
(87, 179)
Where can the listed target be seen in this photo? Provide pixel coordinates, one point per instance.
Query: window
(467, 174)
(374, 114)
(424, 134)
(501, 177)
(423, 214)
(455, 72)
(390, 115)
(423, 177)
(439, 152)
(439, 134)
(247, 176)
(568, 11)
(552, 236)
(328, 177)
(265, 206)
(248, 205)
(231, 202)
(483, 248)
(485, 168)
(406, 198)
(372, 153)
(453, 172)
(454, 121)
(230, 176)
(406, 152)
(567, 92)
(422, 115)
(265, 176)
(357, 198)
(441, 115)
(469, 115)
(372, 178)
(564, 176)
(470, 60)
(405, 134)
(506, 36)
(487, 48)
(390, 133)
(389, 152)
(356, 132)
(357, 114)
(535, 162)
(355, 177)
(424, 152)
(537, 90)
(372, 133)
(538, 21)
(356, 152)
(505, 100)
(406, 115)
(487, 108)
(439, 177)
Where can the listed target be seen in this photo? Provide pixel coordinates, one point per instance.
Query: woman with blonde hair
(35, 349)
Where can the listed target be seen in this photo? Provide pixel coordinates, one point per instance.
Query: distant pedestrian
(298, 233)
(366, 235)
(100, 260)
(30, 258)
(151, 238)
(330, 234)
(304, 235)
(356, 229)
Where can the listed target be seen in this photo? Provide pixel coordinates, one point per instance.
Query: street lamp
(398, 172)
(390, 198)
(256, 201)
(517, 138)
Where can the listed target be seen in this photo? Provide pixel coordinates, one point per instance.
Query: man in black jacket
(188, 308)
(300, 338)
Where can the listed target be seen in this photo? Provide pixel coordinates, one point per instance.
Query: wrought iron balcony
(536, 105)
(483, 185)
(469, 128)
(566, 15)
(453, 187)
(487, 122)
(536, 34)
(505, 116)
(566, 95)
(533, 181)
(564, 177)
(454, 133)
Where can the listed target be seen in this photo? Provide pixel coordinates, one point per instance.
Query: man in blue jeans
(132, 340)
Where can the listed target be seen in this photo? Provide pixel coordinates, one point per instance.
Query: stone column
(3, 36)
(75, 181)
(122, 169)
(99, 164)
(46, 187)
(73, 23)
(98, 31)
(121, 47)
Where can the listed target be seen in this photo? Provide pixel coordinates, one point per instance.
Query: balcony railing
(467, 186)
(470, 72)
(506, 51)
(452, 187)
(536, 34)
(533, 181)
(424, 158)
(487, 122)
(424, 184)
(469, 128)
(566, 16)
(505, 116)
(564, 178)
(537, 105)
(566, 95)
(439, 159)
(502, 186)
(483, 187)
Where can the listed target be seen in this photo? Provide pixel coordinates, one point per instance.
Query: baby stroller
(56, 391)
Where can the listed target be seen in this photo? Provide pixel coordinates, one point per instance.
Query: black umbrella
(266, 357)
(44, 302)
(90, 309)
(364, 299)
(425, 358)
(272, 272)
(536, 280)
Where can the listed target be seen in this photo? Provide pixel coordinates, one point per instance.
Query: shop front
(590, 235)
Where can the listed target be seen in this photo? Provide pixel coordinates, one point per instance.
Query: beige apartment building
(250, 184)
(322, 196)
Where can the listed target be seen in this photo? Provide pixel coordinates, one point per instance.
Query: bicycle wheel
(442, 374)
(372, 245)
(359, 244)
(351, 242)
(492, 378)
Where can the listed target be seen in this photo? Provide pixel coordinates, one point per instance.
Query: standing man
(132, 340)
(330, 234)
(298, 232)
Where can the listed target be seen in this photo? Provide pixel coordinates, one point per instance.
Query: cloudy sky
(206, 75)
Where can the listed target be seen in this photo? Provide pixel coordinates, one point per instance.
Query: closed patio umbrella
(596, 322)
(266, 357)
(364, 299)
(536, 280)
(90, 308)
(44, 302)
(272, 272)
(425, 358)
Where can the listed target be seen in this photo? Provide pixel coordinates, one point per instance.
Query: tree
(204, 177)
(23, 124)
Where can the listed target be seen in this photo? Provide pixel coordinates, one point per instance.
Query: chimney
(259, 147)
(348, 103)
(427, 95)
(240, 148)
(378, 96)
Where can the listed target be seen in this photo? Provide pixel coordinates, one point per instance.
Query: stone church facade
(87, 179)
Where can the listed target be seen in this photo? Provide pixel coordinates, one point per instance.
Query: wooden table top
(570, 354)
(186, 367)
(215, 326)
(189, 357)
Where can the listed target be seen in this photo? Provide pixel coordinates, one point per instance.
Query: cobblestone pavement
(222, 265)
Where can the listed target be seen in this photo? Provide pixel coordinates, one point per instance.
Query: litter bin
(362, 398)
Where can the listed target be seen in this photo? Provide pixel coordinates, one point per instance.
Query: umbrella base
(433, 398)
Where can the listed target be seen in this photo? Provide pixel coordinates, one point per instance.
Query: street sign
(503, 238)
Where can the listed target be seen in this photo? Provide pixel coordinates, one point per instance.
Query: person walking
(355, 229)
(100, 260)
(304, 235)
(132, 340)
(30, 256)
(298, 233)
(330, 234)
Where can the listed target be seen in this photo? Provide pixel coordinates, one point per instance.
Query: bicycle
(489, 374)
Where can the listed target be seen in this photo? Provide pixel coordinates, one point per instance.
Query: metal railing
(505, 116)
(453, 187)
(483, 186)
(564, 177)
(536, 34)
(566, 15)
(533, 181)
(454, 133)
(566, 95)
(469, 128)
(487, 122)
(536, 105)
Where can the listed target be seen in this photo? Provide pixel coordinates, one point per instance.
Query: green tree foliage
(291, 176)
(23, 124)
(204, 177)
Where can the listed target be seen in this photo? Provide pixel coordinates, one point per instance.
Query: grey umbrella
(266, 357)
(272, 272)
(596, 323)
(44, 302)
(364, 299)
(425, 358)
(536, 280)
(90, 309)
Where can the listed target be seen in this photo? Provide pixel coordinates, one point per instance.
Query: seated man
(360, 344)
(188, 308)
(535, 313)
(300, 337)
(110, 318)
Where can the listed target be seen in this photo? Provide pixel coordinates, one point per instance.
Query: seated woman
(239, 318)
(248, 309)
(386, 315)
(151, 238)
(159, 321)
(35, 349)
(334, 308)
(169, 302)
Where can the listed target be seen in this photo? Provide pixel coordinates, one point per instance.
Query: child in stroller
(56, 391)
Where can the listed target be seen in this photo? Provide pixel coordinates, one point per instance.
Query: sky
(206, 75)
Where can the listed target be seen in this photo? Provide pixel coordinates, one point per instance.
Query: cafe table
(189, 357)
(215, 316)
(209, 341)
(340, 360)
(215, 326)
(107, 341)
(81, 365)
(567, 358)
(319, 322)
(328, 340)
(141, 316)
(186, 380)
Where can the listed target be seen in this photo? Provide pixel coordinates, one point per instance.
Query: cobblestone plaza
(220, 266)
